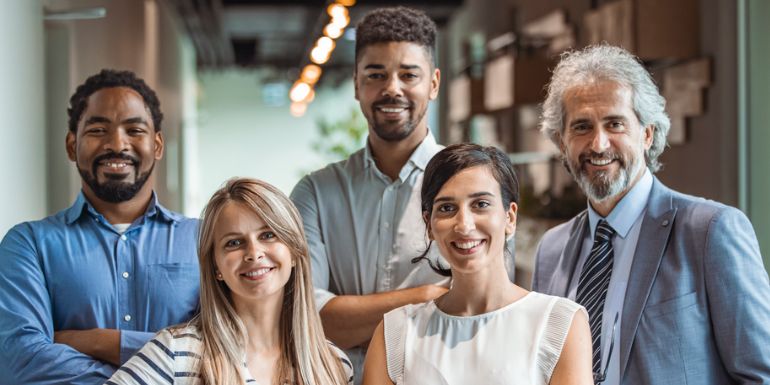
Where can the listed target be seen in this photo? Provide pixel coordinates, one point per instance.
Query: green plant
(340, 138)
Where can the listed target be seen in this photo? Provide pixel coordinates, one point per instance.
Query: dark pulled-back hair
(458, 157)
(396, 24)
(107, 79)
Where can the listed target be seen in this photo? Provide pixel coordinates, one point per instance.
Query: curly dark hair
(385, 25)
(112, 78)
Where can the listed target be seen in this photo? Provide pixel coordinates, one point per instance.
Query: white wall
(22, 108)
(240, 136)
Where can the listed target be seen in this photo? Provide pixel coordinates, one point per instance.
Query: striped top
(173, 357)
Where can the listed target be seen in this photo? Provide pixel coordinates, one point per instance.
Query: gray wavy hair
(606, 62)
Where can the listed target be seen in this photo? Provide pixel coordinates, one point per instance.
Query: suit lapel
(653, 239)
(566, 267)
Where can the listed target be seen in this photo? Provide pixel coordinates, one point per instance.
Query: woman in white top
(257, 321)
(485, 329)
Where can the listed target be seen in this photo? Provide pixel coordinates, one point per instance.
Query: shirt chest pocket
(172, 291)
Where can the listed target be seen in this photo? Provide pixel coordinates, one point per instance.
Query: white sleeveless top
(516, 344)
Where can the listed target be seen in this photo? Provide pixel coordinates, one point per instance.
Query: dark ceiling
(279, 33)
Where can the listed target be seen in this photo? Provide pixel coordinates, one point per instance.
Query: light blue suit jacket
(697, 306)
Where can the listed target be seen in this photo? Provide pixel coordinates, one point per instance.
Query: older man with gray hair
(674, 284)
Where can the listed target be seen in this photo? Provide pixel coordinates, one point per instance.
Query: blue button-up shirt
(74, 270)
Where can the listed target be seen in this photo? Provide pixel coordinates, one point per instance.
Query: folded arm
(29, 354)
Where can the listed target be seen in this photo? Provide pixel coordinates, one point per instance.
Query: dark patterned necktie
(593, 285)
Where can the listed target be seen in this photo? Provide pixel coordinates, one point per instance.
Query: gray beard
(602, 187)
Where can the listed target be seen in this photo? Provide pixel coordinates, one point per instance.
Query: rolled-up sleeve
(28, 354)
(131, 341)
(304, 197)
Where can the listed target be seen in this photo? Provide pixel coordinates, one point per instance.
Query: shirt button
(123, 237)
(125, 274)
(387, 224)
(127, 318)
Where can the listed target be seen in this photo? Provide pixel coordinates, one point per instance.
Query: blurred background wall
(224, 70)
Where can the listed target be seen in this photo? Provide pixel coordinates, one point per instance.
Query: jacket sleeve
(739, 296)
(28, 354)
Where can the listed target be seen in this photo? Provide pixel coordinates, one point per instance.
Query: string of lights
(302, 92)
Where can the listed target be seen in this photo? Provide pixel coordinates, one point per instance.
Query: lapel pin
(665, 223)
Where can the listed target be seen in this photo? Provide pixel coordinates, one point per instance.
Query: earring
(219, 276)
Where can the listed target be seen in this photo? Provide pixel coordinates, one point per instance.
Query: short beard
(395, 135)
(602, 186)
(115, 191)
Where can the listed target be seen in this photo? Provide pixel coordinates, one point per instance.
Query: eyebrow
(97, 119)
(474, 195)
(235, 233)
(402, 66)
(102, 119)
(136, 120)
(614, 117)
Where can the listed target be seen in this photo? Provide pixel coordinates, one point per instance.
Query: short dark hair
(396, 24)
(108, 78)
(458, 157)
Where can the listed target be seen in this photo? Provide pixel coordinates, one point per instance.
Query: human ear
(69, 145)
(435, 83)
(159, 145)
(510, 223)
(426, 219)
(649, 133)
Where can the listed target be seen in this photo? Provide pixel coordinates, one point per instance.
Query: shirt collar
(82, 205)
(419, 158)
(625, 213)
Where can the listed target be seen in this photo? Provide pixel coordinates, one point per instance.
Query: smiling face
(394, 82)
(116, 146)
(603, 142)
(469, 221)
(249, 258)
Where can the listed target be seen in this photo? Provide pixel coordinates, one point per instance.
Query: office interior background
(242, 95)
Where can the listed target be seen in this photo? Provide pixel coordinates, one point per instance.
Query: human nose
(254, 252)
(600, 141)
(464, 222)
(392, 87)
(116, 141)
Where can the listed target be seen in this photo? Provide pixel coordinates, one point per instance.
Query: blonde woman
(257, 321)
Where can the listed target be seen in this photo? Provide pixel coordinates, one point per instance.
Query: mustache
(113, 155)
(584, 157)
(116, 155)
(389, 101)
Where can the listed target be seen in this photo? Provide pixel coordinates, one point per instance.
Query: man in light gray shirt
(362, 215)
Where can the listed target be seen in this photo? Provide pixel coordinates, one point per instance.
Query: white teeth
(600, 162)
(258, 272)
(116, 165)
(383, 109)
(467, 245)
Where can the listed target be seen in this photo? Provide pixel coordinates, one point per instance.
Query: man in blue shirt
(85, 288)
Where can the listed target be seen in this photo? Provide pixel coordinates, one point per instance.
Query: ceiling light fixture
(76, 14)
(302, 92)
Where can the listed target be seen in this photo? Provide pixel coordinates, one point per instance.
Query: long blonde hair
(306, 358)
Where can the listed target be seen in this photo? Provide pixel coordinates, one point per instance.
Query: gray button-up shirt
(363, 228)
